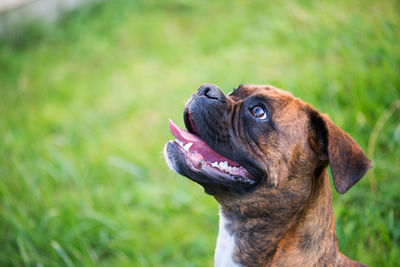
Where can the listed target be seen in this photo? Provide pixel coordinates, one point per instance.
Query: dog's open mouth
(200, 158)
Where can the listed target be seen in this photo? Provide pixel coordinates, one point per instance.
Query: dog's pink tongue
(198, 146)
(182, 135)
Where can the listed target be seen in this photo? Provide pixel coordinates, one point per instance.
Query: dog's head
(260, 139)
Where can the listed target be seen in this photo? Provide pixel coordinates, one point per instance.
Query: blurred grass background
(84, 105)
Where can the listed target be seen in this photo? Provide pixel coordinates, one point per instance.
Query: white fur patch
(225, 246)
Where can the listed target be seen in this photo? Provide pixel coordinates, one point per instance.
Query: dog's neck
(307, 239)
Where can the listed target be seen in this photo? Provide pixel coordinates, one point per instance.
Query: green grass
(84, 106)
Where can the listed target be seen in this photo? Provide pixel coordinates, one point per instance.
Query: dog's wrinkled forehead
(245, 90)
(282, 103)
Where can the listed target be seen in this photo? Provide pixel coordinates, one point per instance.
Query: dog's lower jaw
(309, 241)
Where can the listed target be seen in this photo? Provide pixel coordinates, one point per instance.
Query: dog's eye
(258, 111)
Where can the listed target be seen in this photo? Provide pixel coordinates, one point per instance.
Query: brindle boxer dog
(263, 154)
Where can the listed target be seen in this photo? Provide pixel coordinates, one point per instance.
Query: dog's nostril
(210, 90)
(206, 91)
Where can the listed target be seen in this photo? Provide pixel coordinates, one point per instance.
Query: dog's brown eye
(259, 112)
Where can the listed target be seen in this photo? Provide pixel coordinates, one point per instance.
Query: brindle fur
(288, 219)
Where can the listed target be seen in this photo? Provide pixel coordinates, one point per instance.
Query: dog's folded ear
(347, 160)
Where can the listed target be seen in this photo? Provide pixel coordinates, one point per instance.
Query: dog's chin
(189, 156)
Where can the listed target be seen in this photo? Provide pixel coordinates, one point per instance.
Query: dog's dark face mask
(256, 139)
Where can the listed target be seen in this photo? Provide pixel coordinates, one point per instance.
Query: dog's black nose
(211, 91)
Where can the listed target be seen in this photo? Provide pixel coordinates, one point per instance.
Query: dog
(263, 155)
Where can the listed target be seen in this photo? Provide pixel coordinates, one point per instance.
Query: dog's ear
(348, 161)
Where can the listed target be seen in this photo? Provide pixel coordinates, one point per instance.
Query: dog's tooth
(187, 146)
(222, 164)
(179, 142)
(214, 164)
